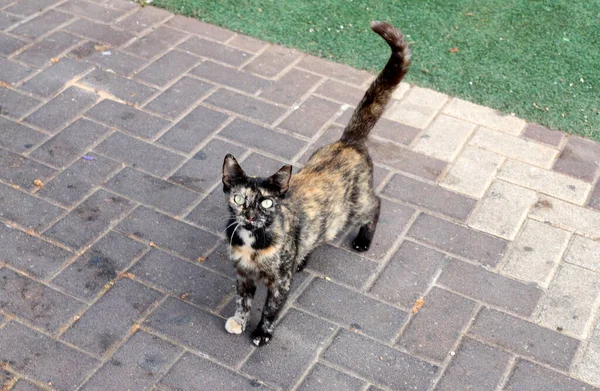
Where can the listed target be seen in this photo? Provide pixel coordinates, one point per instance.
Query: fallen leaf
(55, 60)
(31, 232)
(38, 183)
(453, 50)
(152, 244)
(129, 275)
(101, 48)
(201, 259)
(184, 295)
(418, 305)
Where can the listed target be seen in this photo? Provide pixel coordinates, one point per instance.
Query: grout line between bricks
(512, 362)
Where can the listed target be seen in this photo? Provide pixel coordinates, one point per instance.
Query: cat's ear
(232, 172)
(281, 179)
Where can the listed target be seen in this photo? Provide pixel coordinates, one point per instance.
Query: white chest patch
(246, 236)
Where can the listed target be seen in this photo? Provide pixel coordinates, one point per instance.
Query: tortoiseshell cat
(277, 222)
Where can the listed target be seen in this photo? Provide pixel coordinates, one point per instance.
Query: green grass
(539, 59)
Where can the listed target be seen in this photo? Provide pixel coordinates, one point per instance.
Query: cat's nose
(250, 218)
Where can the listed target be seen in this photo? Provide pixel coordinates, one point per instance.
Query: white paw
(232, 326)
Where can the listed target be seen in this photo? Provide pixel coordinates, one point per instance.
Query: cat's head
(254, 202)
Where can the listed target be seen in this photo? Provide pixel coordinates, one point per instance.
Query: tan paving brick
(401, 90)
(417, 108)
(484, 116)
(503, 210)
(473, 172)
(584, 252)
(444, 138)
(567, 216)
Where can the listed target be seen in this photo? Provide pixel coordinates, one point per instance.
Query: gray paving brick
(259, 165)
(122, 63)
(194, 26)
(298, 339)
(380, 364)
(89, 219)
(524, 338)
(341, 265)
(395, 131)
(359, 312)
(99, 265)
(332, 134)
(13, 72)
(137, 365)
(18, 138)
(336, 71)
(262, 138)
(70, 143)
(459, 240)
(542, 134)
(430, 197)
(434, 330)
(204, 168)
(123, 304)
(215, 51)
(42, 358)
(245, 105)
(9, 44)
(124, 89)
(51, 46)
(155, 42)
(29, 7)
(323, 378)
(310, 116)
(36, 303)
(219, 261)
(341, 92)
(15, 104)
(26, 210)
(62, 109)
(168, 67)
(179, 97)
(29, 253)
(184, 239)
(290, 87)
(221, 74)
(75, 182)
(53, 78)
(144, 18)
(139, 154)
(272, 61)
(579, 158)
(475, 367)
(99, 32)
(42, 24)
(212, 212)
(127, 118)
(531, 377)
(198, 330)
(21, 171)
(94, 11)
(23, 385)
(7, 20)
(199, 285)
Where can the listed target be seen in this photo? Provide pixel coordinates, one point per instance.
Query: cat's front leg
(245, 289)
(276, 297)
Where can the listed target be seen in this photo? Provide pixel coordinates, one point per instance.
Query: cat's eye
(267, 203)
(239, 199)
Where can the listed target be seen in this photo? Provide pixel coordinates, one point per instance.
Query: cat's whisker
(225, 230)
(233, 233)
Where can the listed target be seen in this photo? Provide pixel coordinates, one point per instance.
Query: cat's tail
(373, 104)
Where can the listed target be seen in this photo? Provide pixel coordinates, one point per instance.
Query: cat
(276, 222)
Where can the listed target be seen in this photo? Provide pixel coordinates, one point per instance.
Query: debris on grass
(453, 50)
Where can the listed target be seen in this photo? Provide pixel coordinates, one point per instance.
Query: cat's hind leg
(363, 240)
(245, 289)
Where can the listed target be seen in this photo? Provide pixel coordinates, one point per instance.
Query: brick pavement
(113, 272)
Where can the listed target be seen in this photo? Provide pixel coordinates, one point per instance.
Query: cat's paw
(361, 244)
(261, 337)
(233, 326)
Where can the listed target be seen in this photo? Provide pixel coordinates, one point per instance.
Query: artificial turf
(539, 59)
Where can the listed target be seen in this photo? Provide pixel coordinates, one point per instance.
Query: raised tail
(373, 104)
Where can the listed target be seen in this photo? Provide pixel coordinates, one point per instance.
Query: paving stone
(199, 330)
(155, 42)
(150, 190)
(408, 274)
(437, 326)
(21, 171)
(430, 197)
(123, 304)
(531, 377)
(53, 78)
(514, 147)
(227, 76)
(272, 61)
(29, 253)
(199, 285)
(137, 365)
(569, 302)
(324, 378)
(124, 89)
(261, 166)
(13, 72)
(43, 358)
(144, 18)
(567, 216)
(245, 105)
(405, 160)
(99, 32)
(124, 5)
(184, 239)
(484, 116)
(194, 26)
(99, 265)
(579, 158)
(75, 182)
(341, 92)
(212, 212)
(9, 44)
(51, 46)
(594, 201)
(332, 134)
(536, 253)
(337, 71)
(15, 104)
(89, 219)
(127, 118)
(473, 172)
(29, 7)
(141, 155)
(290, 87)
(352, 309)
(18, 138)
(524, 338)
(215, 51)
(542, 134)
(444, 138)
(417, 108)
(7, 20)
(94, 11)
(380, 364)
(503, 210)
(341, 265)
(204, 168)
(256, 136)
(588, 368)
(62, 109)
(168, 67)
(114, 60)
(36, 303)
(246, 43)
(26, 210)
(298, 339)
(23, 385)
(219, 261)
(475, 367)
(584, 252)
(70, 143)
(395, 131)
(310, 116)
(179, 97)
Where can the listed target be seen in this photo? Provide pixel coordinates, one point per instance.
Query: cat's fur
(332, 191)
